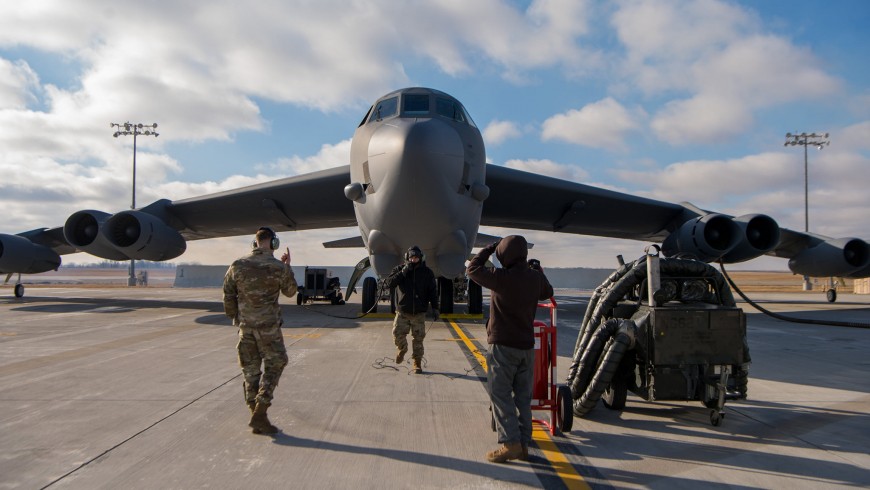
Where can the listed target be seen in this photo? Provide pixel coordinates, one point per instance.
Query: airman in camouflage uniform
(251, 288)
(415, 290)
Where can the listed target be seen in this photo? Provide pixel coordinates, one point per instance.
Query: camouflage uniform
(251, 288)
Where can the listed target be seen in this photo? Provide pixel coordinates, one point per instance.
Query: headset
(274, 243)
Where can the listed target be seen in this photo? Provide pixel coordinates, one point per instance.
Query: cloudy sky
(678, 100)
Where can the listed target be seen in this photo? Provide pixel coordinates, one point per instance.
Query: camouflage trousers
(261, 346)
(416, 325)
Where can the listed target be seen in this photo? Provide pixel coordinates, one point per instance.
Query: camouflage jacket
(251, 288)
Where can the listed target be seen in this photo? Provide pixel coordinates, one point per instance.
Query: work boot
(259, 422)
(400, 355)
(507, 452)
(418, 368)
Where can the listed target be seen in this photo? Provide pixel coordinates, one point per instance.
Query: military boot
(418, 368)
(259, 422)
(400, 355)
(507, 452)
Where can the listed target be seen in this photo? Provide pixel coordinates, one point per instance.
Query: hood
(512, 250)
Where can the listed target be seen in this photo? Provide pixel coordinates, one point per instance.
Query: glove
(490, 249)
(436, 315)
(406, 270)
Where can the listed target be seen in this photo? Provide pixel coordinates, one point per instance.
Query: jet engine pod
(758, 235)
(143, 236)
(839, 257)
(705, 238)
(82, 230)
(20, 255)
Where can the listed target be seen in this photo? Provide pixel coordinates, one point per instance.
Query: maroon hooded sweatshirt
(515, 292)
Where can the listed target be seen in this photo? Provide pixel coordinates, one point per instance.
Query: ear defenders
(274, 242)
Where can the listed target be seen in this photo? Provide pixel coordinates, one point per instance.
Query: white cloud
(329, 156)
(603, 124)
(713, 56)
(17, 82)
(497, 132)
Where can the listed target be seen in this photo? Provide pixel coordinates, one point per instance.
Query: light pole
(135, 129)
(804, 139)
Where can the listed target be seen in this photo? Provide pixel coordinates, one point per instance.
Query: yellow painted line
(565, 470)
(471, 347)
(463, 316)
(540, 434)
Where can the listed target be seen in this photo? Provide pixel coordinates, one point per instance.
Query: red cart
(546, 393)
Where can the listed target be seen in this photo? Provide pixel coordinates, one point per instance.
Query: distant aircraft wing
(530, 201)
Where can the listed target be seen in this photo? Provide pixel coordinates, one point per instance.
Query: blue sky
(672, 99)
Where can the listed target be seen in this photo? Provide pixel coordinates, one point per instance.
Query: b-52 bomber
(418, 176)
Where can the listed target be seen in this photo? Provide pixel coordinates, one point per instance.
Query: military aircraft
(418, 176)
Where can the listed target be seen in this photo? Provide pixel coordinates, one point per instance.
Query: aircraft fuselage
(417, 178)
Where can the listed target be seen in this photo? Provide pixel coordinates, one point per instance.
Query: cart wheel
(564, 409)
(615, 394)
(832, 295)
(716, 417)
(300, 298)
(19, 290)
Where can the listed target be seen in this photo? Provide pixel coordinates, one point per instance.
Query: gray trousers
(510, 375)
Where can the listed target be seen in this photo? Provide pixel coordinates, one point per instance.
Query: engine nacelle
(839, 257)
(20, 255)
(705, 238)
(82, 230)
(759, 234)
(143, 236)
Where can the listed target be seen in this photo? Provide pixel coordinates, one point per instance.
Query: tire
(832, 295)
(19, 290)
(445, 291)
(564, 409)
(475, 298)
(615, 395)
(300, 298)
(370, 295)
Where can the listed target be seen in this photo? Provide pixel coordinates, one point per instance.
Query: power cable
(784, 317)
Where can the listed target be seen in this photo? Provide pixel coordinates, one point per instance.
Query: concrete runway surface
(140, 388)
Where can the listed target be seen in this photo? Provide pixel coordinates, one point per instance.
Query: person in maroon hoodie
(515, 290)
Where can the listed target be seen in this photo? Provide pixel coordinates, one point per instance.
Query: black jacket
(415, 288)
(515, 292)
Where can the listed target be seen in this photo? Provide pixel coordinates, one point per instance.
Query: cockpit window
(453, 110)
(415, 104)
(385, 108)
(366, 117)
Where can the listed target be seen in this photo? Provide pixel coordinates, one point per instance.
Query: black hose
(784, 317)
(616, 350)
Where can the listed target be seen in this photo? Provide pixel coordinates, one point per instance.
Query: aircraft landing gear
(831, 295)
(445, 292)
(475, 298)
(370, 295)
(19, 290)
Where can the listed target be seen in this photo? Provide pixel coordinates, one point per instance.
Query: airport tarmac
(140, 388)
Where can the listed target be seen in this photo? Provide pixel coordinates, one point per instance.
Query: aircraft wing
(304, 202)
(160, 230)
(530, 201)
